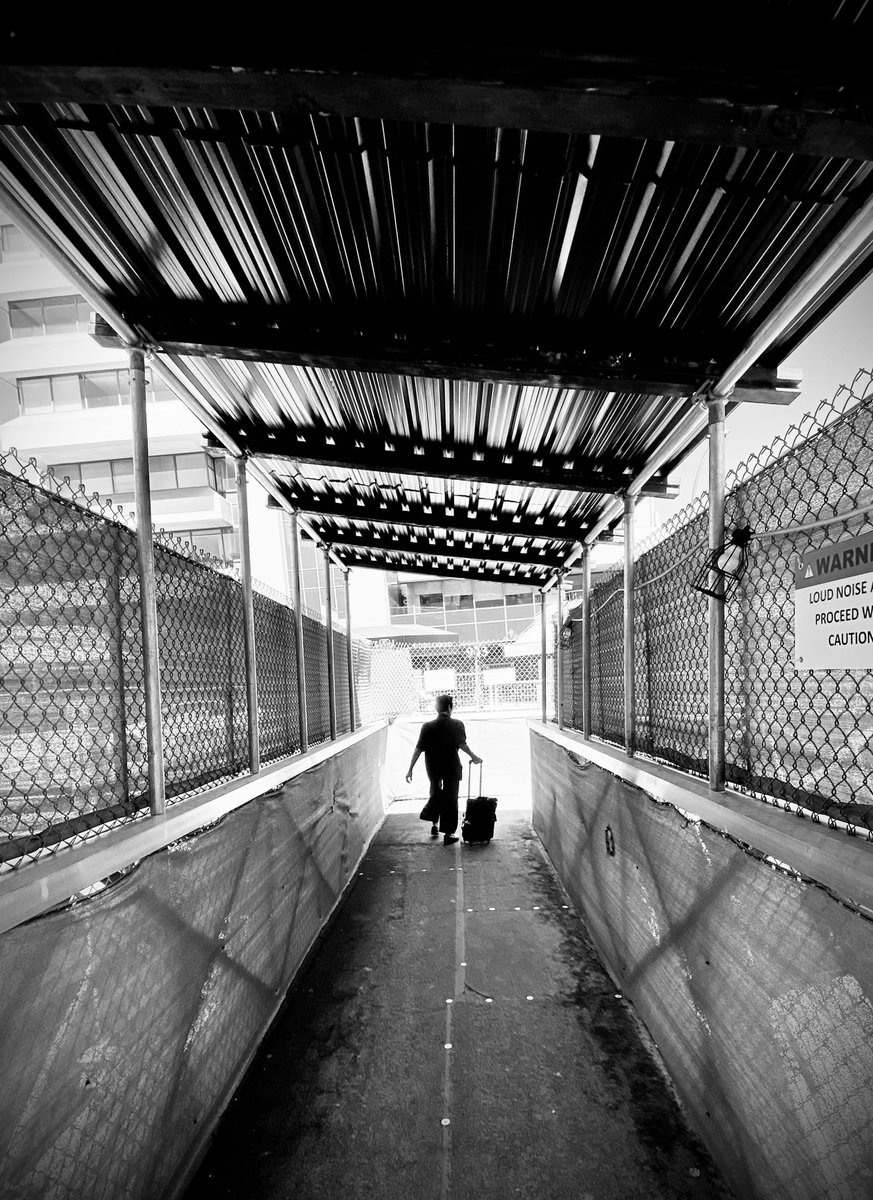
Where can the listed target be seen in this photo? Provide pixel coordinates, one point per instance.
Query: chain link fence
(798, 736)
(480, 676)
(73, 750)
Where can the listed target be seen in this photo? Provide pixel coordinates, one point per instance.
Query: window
(526, 597)
(430, 600)
(50, 315)
(97, 477)
(461, 600)
(162, 472)
(122, 475)
(35, 395)
(25, 318)
(397, 597)
(221, 542)
(94, 389)
(167, 472)
(102, 389)
(14, 245)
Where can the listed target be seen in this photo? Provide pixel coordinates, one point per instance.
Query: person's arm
(416, 754)
(473, 757)
(463, 746)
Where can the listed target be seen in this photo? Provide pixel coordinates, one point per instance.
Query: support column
(716, 408)
(586, 642)
(559, 656)
(245, 564)
(543, 658)
(350, 658)
(331, 667)
(298, 628)
(630, 691)
(145, 554)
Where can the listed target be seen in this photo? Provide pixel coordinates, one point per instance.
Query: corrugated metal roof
(494, 323)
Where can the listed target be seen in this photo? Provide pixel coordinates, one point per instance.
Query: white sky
(830, 357)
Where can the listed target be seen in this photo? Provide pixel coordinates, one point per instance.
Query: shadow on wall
(126, 1020)
(503, 743)
(757, 987)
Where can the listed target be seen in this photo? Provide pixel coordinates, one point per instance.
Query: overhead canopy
(455, 304)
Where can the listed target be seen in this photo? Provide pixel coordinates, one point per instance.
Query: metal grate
(278, 701)
(802, 736)
(315, 666)
(73, 753)
(341, 675)
(72, 744)
(203, 688)
(797, 736)
(607, 661)
(670, 651)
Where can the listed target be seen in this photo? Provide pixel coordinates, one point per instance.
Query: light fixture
(724, 567)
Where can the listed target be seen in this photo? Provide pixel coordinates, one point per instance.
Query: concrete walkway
(455, 1038)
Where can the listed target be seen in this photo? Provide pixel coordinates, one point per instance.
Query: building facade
(64, 401)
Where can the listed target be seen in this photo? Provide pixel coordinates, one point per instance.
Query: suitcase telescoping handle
(470, 779)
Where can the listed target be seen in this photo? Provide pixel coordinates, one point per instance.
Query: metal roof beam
(359, 452)
(425, 515)
(512, 356)
(523, 576)
(746, 97)
(369, 542)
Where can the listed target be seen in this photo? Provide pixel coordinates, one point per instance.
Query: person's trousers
(444, 792)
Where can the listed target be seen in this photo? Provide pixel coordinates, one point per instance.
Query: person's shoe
(449, 840)
(434, 831)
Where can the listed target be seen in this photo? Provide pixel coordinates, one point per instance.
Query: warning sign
(833, 607)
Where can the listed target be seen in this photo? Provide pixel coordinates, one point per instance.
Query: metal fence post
(331, 671)
(716, 407)
(586, 642)
(559, 656)
(145, 555)
(630, 696)
(245, 563)
(303, 717)
(543, 662)
(350, 660)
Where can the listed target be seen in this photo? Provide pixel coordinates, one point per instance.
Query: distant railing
(73, 753)
(480, 676)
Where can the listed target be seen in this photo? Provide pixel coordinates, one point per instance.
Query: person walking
(439, 741)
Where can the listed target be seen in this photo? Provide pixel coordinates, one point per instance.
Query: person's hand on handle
(476, 760)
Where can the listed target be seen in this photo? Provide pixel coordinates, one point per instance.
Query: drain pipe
(331, 666)
(145, 553)
(299, 641)
(630, 689)
(559, 658)
(543, 683)
(350, 654)
(586, 642)
(715, 639)
(248, 603)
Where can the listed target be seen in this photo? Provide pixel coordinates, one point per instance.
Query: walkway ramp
(455, 1036)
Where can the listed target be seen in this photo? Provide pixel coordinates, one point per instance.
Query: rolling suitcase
(479, 815)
